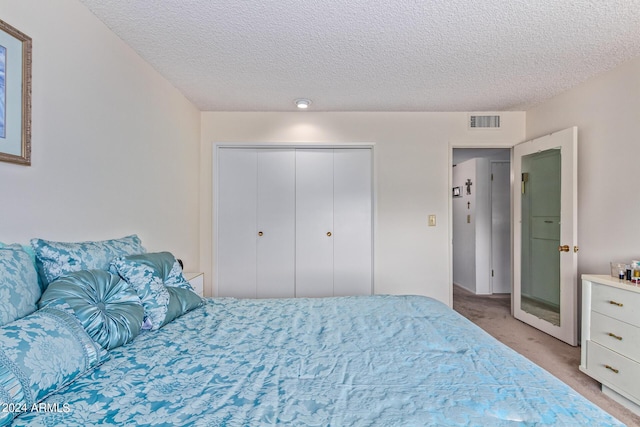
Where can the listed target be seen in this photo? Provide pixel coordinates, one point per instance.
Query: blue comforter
(352, 361)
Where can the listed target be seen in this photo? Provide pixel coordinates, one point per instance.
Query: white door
(236, 226)
(275, 254)
(352, 227)
(545, 293)
(314, 222)
(256, 222)
(500, 227)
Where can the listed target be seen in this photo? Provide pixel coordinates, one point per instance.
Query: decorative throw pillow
(19, 289)
(107, 307)
(57, 259)
(41, 353)
(158, 279)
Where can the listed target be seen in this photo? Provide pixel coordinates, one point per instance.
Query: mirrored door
(545, 236)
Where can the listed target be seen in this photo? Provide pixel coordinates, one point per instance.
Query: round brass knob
(260, 233)
(329, 233)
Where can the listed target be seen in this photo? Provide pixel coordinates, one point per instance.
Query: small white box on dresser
(610, 350)
(196, 280)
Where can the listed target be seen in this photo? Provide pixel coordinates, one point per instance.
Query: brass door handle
(563, 248)
(260, 233)
(618, 337)
(329, 233)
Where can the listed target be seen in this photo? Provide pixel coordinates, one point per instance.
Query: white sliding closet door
(314, 222)
(352, 206)
(256, 223)
(276, 223)
(237, 216)
(294, 222)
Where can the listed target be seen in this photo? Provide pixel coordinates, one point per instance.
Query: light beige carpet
(492, 313)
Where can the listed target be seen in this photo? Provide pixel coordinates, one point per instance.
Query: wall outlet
(432, 220)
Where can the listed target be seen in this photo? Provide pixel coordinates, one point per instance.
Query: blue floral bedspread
(353, 361)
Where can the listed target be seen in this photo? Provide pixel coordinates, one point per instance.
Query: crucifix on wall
(468, 185)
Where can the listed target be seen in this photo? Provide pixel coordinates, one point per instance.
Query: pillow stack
(77, 273)
(92, 297)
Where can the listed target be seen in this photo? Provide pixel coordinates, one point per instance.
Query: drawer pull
(619, 338)
(611, 369)
(619, 304)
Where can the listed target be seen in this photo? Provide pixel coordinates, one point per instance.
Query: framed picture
(456, 192)
(15, 95)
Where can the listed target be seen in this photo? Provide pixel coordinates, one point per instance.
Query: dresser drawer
(617, 303)
(603, 363)
(619, 336)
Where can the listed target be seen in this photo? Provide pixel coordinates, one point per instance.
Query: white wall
(412, 167)
(606, 110)
(464, 233)
(462, 154)
(472, 240)
(115, 146)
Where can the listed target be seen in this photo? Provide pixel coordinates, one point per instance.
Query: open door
(545, 292)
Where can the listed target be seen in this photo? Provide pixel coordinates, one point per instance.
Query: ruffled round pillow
(108, 308)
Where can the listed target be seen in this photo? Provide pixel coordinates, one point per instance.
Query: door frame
(491, 164)
(299, 144)
(454, 144)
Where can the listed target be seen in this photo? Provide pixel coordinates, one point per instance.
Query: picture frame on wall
(456, 192)
(15, 95)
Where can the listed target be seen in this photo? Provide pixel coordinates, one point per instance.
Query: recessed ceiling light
(303, 103)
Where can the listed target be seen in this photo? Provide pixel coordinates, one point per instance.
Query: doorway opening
(481, 221)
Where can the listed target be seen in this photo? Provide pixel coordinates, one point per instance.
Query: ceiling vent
(484, 122)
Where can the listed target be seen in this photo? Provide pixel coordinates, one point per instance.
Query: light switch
(432, 220)
(468, 219)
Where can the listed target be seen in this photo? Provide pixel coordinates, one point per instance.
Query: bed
(348, 361)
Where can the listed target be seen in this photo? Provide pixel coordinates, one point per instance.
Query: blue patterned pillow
(107, 307)
(19, 289)
(57, 259)
(27, 248)
(158, 279)
(32, 254)
(41, 353)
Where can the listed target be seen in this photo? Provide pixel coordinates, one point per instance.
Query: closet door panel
(352, 225)
(276, 223)
(236, 228)
(314, 222)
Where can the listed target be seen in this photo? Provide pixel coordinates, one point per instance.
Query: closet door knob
(260, 233)
(329, 233)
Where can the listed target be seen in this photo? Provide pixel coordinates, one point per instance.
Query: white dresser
(611, 337)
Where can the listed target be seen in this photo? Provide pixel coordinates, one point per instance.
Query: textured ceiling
(365, 55)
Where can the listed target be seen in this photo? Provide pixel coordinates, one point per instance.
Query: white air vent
(484, 122)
